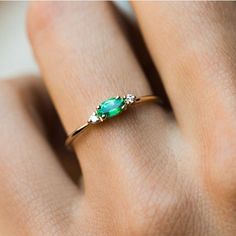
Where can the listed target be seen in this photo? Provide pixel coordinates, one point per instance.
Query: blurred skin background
(16, 57)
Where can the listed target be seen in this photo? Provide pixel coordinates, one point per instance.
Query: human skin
(146, 172)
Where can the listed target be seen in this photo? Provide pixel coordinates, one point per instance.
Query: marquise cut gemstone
(111, 107)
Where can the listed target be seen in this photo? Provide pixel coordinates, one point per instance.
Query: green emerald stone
(111, 107)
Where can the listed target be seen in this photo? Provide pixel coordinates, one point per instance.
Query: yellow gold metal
(72, 136)
(76, 132)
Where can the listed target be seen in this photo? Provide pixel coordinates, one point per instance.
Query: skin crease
(144, 173)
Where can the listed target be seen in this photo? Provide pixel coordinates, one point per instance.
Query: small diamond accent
(93, 119)
(130, 98)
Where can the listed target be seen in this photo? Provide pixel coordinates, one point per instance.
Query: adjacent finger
(193, 46)
(35, 191)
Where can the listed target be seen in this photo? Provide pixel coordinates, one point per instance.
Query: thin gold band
(143, 99)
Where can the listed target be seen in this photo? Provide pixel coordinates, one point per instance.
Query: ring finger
(85, 58)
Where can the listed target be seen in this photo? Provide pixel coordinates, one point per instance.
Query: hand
(147, 172)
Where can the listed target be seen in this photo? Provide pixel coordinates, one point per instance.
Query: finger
(193, 46)
(92, 51)
(139, 47)
(85, 59)
(35, 191)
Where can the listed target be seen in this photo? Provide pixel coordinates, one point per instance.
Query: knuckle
(148, 217)
(155, 211)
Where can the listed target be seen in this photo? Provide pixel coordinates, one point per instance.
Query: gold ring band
(108, 109)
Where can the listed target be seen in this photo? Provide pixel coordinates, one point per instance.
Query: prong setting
(124, 107)
(111, 107)
(103, 117)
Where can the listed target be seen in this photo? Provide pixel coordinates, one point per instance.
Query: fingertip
(42, 15)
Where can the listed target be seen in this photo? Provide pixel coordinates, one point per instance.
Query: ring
(108, 109)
